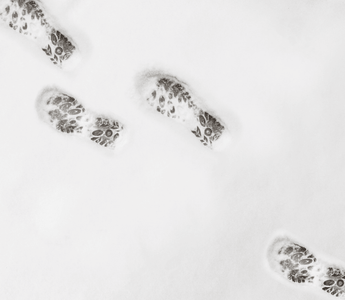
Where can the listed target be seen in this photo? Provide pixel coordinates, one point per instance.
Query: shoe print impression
(30, 19)
(173, 99)
(295, 263)
(67, 115)
(332, 281)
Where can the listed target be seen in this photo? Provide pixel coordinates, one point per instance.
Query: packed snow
(165, 217)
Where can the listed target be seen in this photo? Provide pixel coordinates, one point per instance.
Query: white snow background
(165, 217)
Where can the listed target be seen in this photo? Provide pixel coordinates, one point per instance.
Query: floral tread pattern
(332, 281)
(174, 100)
(30, 19)
(298, 265)
(67, 115)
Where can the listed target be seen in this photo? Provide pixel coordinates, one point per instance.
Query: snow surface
(166, 218)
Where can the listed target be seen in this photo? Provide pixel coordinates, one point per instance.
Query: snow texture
(166, 218)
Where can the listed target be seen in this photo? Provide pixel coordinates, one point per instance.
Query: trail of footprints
(168, 95)
(172, 99)
(30, 19)
(297, 264)
(65, 114)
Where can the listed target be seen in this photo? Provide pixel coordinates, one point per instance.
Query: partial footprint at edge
(30, 19)
(295, 263)
(68, 116)
(174, 99)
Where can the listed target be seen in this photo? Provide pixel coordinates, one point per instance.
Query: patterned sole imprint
(30, 19)
(332, 281)
(67, 115)
(297, 264)
(173, 99)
